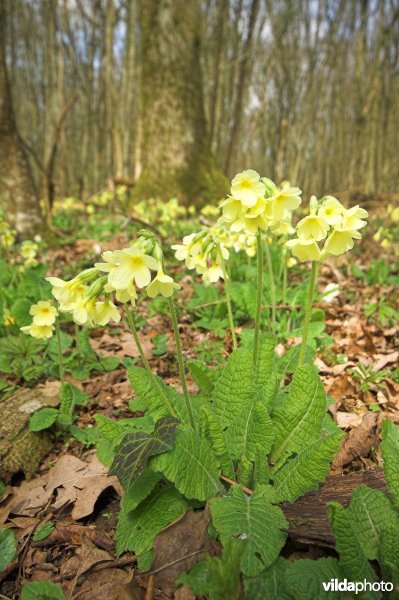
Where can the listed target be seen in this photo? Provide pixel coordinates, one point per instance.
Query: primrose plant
(248, 440)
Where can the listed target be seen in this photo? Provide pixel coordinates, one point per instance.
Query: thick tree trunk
(17, 193)
(175, 157)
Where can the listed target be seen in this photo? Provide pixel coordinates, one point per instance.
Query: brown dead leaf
(79, 483)
(76, 482)
(358, 442)
(385, 359)
(178, 548)
(347, 420)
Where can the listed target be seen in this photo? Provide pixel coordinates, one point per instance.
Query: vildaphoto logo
(335, 585)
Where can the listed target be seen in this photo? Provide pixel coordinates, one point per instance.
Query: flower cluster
(328, 220)
(44, 315)
(7, 235)
(258, 203)
(90, 296)
(205, 251)
(28, 252)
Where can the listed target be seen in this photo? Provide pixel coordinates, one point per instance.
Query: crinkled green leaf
(136, 449)
(217, 439)
(139, 489)
(269, 392)
(191, 465)
(306, 470)
(295, 580)
(149, 398)
(298, 418)
(288, 363)
(371, 513)
(43, 419)
(216, 577)
(254, 519)
(351, 553)
(389, 555)
(252, 429)
(390, 454)
(137, 529)
(269, 584)
(202, 375)
(235, 387)
(42, 590)
(8, 547)
(266, 359)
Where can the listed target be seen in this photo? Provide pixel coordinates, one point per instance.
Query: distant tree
(17, 192)
(175, 155)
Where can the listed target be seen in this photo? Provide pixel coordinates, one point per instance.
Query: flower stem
(259, 286)
(145, 362)
(180, 361)
(272, 284)
(59, 349)
(228, 299)
(309, 304)
(285, 277)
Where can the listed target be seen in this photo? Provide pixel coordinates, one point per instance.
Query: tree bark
(17, 192)
(175, 153)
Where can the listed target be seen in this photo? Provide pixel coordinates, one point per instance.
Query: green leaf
(269, 584)
(137, 529)
(136, 449)
(139, 490)
(266, 359)
(298, 419)
(254, 519)
(371, 513)
(67, 403)
(44, 531)
(218, 440)
(250, 431)
(235, 387)
(389, 555)
(42, 590)
(8, 547)
(294, 580)
(202, 376)
(20, 312)
(216, 577)
(390, 454)
(148, 396)
(66, 342)
(288, 363)
(352, 557)
(43, 419)
(306, 470)
(109, 363)
(192, 465)
(84, 346)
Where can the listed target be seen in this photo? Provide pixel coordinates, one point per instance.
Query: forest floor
(72, 490)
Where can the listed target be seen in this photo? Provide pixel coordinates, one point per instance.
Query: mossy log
(22, 450)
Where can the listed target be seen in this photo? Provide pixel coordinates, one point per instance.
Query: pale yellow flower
(83, 310)
(67, 292)
(213, 273)
(304, 249)
(43, 313)
(353, 218)
(133, 267)
(162, 285)
(247, 187)
(127, 295)
(312, 227)
(110, 263)
(331, 210)
(40, 332)
(232, 209)
(105, 311)
(285, 199)
(340, 241)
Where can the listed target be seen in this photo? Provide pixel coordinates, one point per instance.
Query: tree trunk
(17, 192)
(176, 157)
